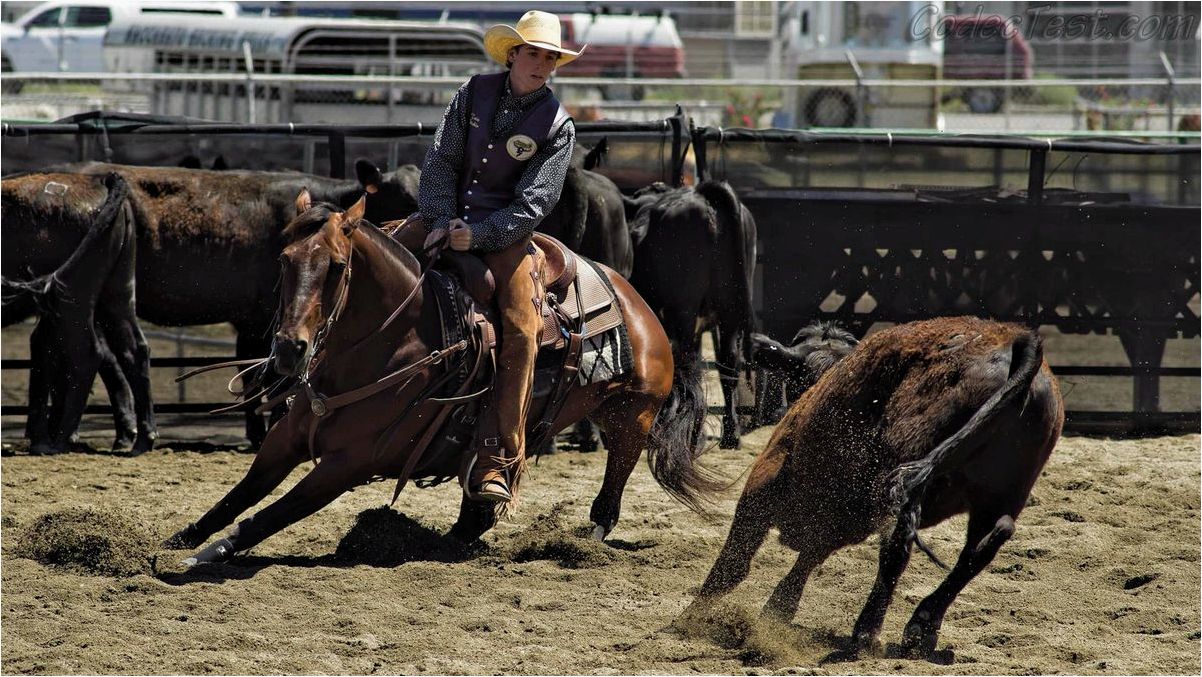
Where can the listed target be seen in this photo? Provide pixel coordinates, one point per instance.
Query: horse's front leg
(334, 476)
(281, 452)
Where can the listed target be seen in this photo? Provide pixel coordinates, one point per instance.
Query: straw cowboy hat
(536, 28)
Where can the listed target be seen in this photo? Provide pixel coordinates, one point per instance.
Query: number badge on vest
(521, 147)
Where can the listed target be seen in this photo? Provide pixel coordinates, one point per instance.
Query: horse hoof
(730, 443)
(599, 533)
(183, 539)
(188, 563)
(123, 443)
(219, 550)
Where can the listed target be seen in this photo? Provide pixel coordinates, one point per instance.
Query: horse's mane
(312, 219)
(395, 250)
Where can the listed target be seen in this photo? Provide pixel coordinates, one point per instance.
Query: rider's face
(531, 68)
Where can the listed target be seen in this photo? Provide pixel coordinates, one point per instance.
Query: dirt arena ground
(1102, 576)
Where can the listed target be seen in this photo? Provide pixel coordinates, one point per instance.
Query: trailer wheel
(829, 107)
(982, 100)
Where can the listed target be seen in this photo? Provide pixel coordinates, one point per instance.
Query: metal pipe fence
(1131, 104)
(859, 238)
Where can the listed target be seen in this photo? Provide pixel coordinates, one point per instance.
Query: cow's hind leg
(274, 461)
(894, 556)
(37, 421)
(333, 477)
(782, 605)
(727, 353)
(120, 398)
(132, 353)
(986, 534)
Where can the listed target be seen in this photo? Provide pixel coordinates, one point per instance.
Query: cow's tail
(20, 299)
(908, 482)
(23, 298)
(722, 198)
(677, 438)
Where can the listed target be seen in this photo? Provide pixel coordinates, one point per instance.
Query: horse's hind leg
(986, 534)
(627, 421)
(274, 461)
(333, 477)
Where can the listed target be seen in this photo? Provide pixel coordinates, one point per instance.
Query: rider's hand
(461, 236)
(434, 237)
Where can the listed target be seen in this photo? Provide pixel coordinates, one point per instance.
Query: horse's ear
(303, 201)
(350, 220)
(369, 175)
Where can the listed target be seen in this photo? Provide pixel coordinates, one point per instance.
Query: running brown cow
(921, 421)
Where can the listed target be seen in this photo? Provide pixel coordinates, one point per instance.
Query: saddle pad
(605, 356)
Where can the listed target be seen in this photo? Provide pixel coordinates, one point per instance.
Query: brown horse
(387, 323)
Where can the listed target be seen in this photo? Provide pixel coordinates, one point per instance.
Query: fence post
(676, 123)
(862, 117)
(337, 154)
(1035, 175)
(249, 64)
(1170, 77)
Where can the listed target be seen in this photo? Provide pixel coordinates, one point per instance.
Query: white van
(68, 35)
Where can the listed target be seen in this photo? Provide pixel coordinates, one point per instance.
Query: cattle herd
(901, 430)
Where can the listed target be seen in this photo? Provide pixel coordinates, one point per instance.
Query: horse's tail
(677, 438)
(734, 230)
(908, 482)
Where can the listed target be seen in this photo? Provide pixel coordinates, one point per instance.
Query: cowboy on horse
(495, 170)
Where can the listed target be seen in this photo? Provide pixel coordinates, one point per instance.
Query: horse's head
(315, 259)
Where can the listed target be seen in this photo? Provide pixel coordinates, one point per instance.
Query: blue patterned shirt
(535, 194)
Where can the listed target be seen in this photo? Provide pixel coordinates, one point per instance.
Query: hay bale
(88, 541)
(548, 539)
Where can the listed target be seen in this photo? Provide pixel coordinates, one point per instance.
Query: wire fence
(1164, 104)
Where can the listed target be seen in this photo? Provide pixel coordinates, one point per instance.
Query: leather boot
(518, 274)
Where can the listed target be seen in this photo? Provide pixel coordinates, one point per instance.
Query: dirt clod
(88, 541)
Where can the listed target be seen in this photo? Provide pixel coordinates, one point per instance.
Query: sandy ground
(1102, 577)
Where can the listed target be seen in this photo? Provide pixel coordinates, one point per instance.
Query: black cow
(693, 264)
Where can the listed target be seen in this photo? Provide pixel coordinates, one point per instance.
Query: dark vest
(490, 172)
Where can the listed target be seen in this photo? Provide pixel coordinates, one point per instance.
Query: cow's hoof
(124, 441)
(730, 442)
(919, 641)
(185, 538)
(141, 446)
